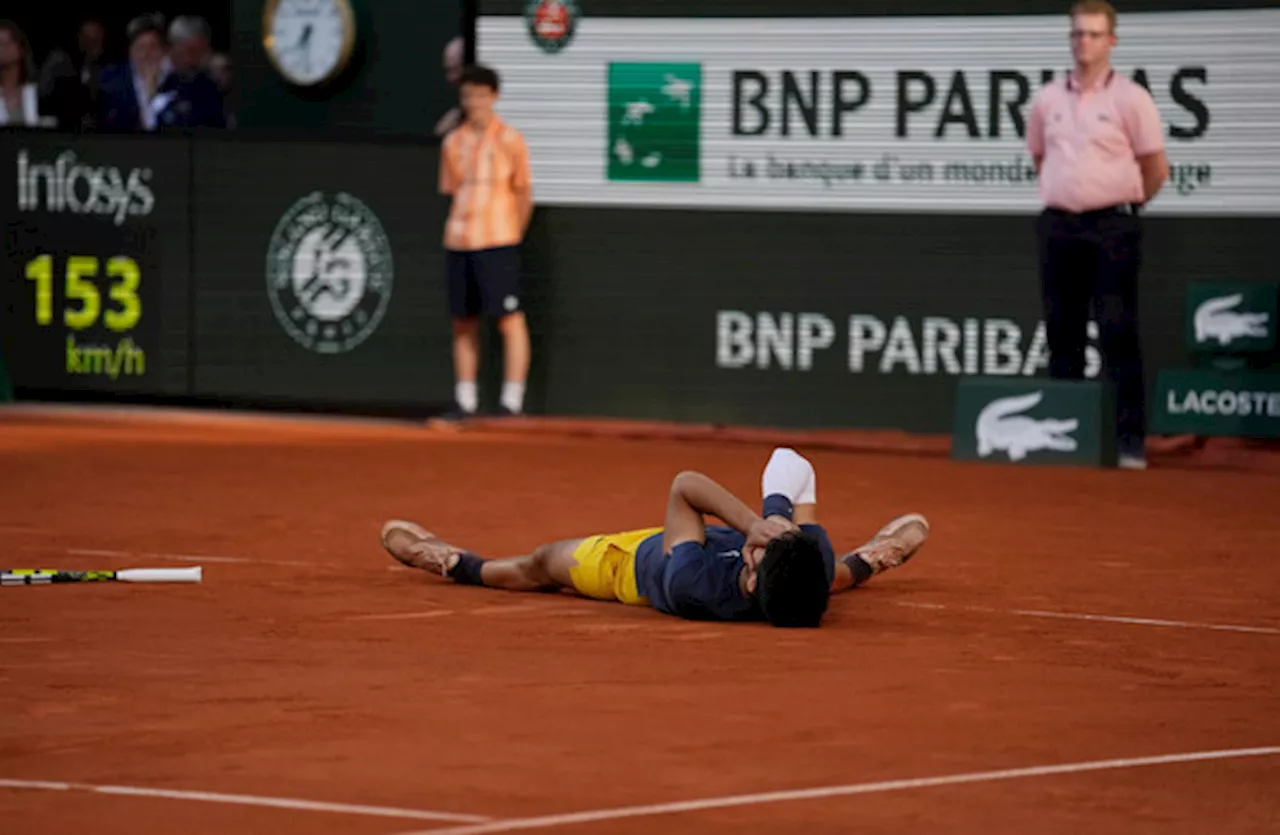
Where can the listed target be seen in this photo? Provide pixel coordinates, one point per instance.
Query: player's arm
(789, 488)
(790, 475)
(1155, 171)
(1035, 133)
(448, 176)
(1146, 133)
(522, 182)
(692, 495)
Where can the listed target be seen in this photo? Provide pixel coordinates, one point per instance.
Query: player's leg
(892, 546)
(498, 276)
(547, 568)
(599, 567)
(464, 309)
(515, 357)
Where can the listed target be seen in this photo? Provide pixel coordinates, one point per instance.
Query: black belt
(1105, 211)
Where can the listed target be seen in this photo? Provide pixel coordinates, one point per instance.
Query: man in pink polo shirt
(1098, 144)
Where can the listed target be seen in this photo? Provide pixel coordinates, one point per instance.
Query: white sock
(513, 396)
(809, 495)
(790, 474)
(468, 396)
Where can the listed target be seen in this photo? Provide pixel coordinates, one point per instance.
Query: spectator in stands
(19, 94)
(453, 59)
(197, 101)
(130, 98)
(190, 44)
(222, 73)
(69, 80)
(164, 85)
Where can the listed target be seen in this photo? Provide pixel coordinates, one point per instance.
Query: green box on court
(1021, 420)
(1236, 405)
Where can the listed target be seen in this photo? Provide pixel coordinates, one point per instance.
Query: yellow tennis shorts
(606, 568)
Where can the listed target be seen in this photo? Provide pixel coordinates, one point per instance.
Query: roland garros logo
(329, 272)
(552, 23)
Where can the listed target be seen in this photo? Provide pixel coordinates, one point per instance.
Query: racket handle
(160, 575)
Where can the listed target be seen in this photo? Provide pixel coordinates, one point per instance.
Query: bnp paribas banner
(914, 114)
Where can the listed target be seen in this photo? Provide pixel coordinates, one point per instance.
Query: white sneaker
(1132, 462)
(896, 543)
(417, 547)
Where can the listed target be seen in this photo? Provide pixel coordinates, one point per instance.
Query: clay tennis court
(1062, 631)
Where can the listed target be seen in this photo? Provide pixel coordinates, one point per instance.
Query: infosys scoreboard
(95, 248)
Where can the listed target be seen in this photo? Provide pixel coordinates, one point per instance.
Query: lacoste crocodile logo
(1217, 319)
(1002, 426)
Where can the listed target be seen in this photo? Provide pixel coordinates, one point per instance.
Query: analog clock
(309, 41)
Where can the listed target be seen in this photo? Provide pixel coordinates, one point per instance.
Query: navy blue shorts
(485, 280)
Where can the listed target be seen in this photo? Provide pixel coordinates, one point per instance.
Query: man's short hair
(143, 24)
(186, 27)
(792, 586)
(1101, 7)
(481, 75)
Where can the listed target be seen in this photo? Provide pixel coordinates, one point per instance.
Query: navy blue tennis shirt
(699, 580)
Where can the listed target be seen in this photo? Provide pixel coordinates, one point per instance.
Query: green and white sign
(1240, 405)
(898, 114)
(655, 113)
(1231, 318)
(1034, 421)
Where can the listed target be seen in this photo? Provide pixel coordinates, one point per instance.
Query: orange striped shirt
(483, 171)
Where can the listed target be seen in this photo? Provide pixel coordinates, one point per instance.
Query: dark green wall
(624, 306)
(395, 85)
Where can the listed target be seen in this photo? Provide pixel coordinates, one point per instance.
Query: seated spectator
(19, 94)
(453, 59)
(164, 84)
(69, 79)
(223, 74)
(196, 99)
(131, 96)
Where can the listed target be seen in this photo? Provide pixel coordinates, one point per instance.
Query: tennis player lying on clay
(778, 566)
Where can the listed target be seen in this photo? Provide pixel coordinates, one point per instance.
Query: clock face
(309, 41)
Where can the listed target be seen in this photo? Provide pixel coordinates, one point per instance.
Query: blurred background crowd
(110, 74)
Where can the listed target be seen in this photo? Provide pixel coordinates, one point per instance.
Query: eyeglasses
(1081, 34)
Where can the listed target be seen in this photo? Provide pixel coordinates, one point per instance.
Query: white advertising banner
(902, 114)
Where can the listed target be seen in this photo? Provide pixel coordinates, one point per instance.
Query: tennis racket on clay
(47, 576)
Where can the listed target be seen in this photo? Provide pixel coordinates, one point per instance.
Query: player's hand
(761, 533)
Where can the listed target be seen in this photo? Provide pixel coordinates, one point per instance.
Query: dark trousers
(1092, 260)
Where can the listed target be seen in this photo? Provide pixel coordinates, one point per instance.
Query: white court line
(404, 615)
(243, 560)
(249, 800)
(839, 791)
(1036, 613)
(1220, 627)
(86, 552)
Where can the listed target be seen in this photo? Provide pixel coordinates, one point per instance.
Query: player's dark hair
(479, 74)
(791, 581)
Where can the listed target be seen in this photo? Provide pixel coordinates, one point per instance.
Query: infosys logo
(68, 185)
